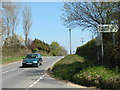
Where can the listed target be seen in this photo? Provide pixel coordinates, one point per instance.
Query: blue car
(33, 59)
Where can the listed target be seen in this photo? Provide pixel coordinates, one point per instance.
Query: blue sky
(47, 25)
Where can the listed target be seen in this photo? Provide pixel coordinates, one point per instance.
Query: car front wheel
(38, 64)
(23, 65)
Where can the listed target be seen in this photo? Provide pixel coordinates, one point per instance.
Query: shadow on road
(34, 72)
(29, 67)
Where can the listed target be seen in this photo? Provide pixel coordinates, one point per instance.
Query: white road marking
(9, 70)
(36, 81)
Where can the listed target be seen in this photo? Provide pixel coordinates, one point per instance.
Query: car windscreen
(32, 56)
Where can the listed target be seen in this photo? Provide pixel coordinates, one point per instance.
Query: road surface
(14, 76)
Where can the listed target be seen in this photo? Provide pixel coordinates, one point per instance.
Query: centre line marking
(9, 70)
(36, 81)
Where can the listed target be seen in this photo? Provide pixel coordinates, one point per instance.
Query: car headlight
(34, 61)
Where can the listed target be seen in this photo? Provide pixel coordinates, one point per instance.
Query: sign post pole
(99, 45)
(113, 39)
(102, 48)
(106, 28)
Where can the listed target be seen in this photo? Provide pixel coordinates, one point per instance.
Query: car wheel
(38, 64)
(23, 65)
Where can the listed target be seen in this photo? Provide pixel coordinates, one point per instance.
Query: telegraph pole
(70, 40)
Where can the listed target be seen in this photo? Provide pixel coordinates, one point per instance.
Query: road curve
(14, 76)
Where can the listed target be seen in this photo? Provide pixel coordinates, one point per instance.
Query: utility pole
(70, 40)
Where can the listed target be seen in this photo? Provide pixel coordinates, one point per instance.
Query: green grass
(11, 59)
(45, 55)
(68, 66)
(71, 59)
(78, 70)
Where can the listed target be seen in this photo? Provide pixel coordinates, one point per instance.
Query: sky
(48, 26)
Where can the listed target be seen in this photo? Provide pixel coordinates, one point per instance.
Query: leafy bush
(57, 50)
(98, 76)
(111, 57)
(112, 83)
(38, 45)
(88, 50)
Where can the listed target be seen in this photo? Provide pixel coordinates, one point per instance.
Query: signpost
(106, 28)
(99, 39)
(99, 42)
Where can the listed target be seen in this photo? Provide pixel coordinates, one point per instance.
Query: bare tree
(6, 17)
(10, 13)
(27, 22)
(14, 16)
(0, 23)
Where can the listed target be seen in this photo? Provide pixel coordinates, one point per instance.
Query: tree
(1, 28)
(1, 38)
(40, 46)
(117, 16)
(10, 14)
(18, 40)
(61, 51)
(27, 22)
(6, 16)
(29, 41)
(88, 15)
(57, 50)
(54, 45)
(14, 16)
(32, 45)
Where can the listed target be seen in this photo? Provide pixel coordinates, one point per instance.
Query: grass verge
(76, 69)
(11, 59)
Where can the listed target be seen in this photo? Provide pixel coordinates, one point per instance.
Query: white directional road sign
(106, 28)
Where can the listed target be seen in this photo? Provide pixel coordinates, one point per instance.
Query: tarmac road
(15, 76)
